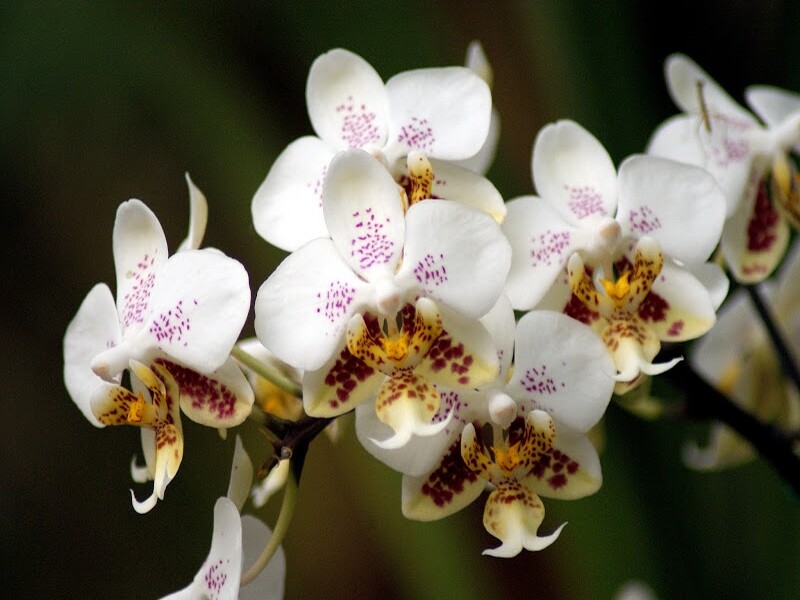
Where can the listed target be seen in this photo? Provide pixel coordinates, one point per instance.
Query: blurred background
(101, 102)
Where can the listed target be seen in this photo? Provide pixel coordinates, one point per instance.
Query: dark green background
(101, 102)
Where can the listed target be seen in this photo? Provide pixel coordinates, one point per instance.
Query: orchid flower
(561, 367)
(236, 541)
(378, 262)
(157, 411)
(183, 311)
(630, 321)
(749, 160)
(585, 205)
(442, 113)
(737, 357)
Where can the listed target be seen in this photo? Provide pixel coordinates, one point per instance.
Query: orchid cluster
(397, 302)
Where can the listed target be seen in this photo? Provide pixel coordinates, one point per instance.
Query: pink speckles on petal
(371, 246)
(315, 185)
(337, 300)
(358, 126)
(451, 402)
(430, 272)
(417, 135)
(205, 393)
(548, 247)
(215, 578)
(584, 200)
(170, 326)
(137, 299)
(644, 220)
(537, 381)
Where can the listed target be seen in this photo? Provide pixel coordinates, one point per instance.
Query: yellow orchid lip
(136, 410)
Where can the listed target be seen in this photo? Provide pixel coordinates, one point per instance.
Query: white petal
(541, 243)
(683, 76)
(453, 182)
(713, 278)
(455, 254)
(141, 474)
(269, 584)
(501, 325)
(573, 172)
(787, 296)
(480, 162)
(287, 207)
(273, 482)
(140, 251)
(562, 367)
(347, 101)
(241, 476)
(198, 217)
(477, 62)
(93, 329)
(221, 572)
(199, 304)
(364, 213)
(441, 112)
(303, 308)
(772, 104)
(679, 205)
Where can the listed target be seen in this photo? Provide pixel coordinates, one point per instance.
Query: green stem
(267, 372)
(281, 527)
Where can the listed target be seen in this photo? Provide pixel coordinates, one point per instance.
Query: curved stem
(267, 372)
(281, 527)
(704, 401)
(782, 349)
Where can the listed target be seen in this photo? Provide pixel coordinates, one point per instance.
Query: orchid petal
(678, 307)
(755, 238)
(714, 279)
(448, 487)
(541, 242)
(142, 474)
(454, 254)
(198, 217)
(287, 207)
(94, 328)
(273, 482)
(140, 251)
(222, 398)
(725, 449)
(169, 452)
(442, 112)
(364, 214)
(773, 105)
(241, 476)
(464, 355)
(562, 367)
(787, 296)
(453, 182)
(269, 584)
(501, 325)
(573, 172)
(655, 197)
(347, 102)
(569, 470)
(513, 515)
(342, 383)
(407, 403)
(483, 159)
(221, 572)
(303, 308)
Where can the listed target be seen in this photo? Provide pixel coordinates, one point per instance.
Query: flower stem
(281, 527)
(703, 401)
(267, 372)
(783, 350)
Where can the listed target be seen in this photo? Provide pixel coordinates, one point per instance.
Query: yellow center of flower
(507, 459)
(136, 410)
(618, 290)
(420, 172)
(396, 347)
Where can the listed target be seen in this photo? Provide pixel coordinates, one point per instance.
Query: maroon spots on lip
(653, 308)
(578, 310)
(443, 353)
(675, 329)
(449, 478)
(343, 377)
(763, 222)
(555, 467)
(205, 394)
